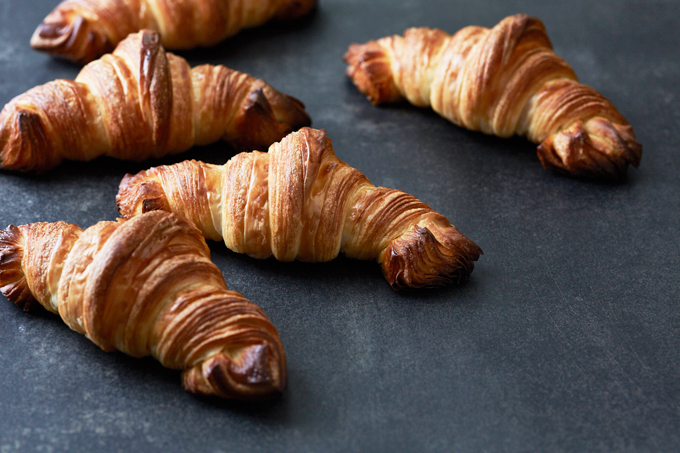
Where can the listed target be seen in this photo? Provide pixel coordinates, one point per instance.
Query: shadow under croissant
(147, 372)
(247, 39)
(341, 272)
(135, 378)
(104, 167)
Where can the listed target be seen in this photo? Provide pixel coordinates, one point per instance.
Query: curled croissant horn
(141, 102)
(299, 201)
(83, 30)
(146, 286)
(503, 81)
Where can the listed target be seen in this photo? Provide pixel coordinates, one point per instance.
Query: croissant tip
(596, 149)
(49, 35)
(370, 71)
(429, 256)
(265, 117)
(138, 194)
(13, 284)
(256, 373)
(291, 114)
(256, 366)
(24, 145)
(70, 37)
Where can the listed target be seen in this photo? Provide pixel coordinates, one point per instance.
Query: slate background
(565, 339)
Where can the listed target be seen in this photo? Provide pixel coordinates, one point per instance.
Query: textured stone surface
(565, 339)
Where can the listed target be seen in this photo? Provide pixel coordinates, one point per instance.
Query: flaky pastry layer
(299, 201)
(83, 30)
(140, 102)
(503, 81)
(146, 286)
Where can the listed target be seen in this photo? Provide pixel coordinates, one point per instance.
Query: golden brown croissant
(504, 81)
(146, 286)
(299, 201)
(82, 30)
(141, 102)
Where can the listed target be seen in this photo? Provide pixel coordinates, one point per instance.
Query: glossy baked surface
(564, 339)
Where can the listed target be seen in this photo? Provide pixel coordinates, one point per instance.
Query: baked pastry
(299, 201)
(82, 30)
(146, 286)
(503, 81)
(141, 102)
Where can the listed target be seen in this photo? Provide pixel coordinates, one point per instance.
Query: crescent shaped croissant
(503, 81)
(140, 102)
(299, 201)
(82, 30)
(146, 286)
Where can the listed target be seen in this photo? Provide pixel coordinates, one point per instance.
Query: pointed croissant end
(428, 255)
(71, 37)
(599, 149)
(265, 117)
(369, 68)
(289, 112)
(13, 284)
(140, 193)
(23, 142)
(257, 372)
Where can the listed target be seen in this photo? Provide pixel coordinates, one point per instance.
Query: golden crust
(299, 201)
(408, 261)
(147, 287)
(141, 102)
(83, 30)
(13, 282)
(503, 81)
(369, 69)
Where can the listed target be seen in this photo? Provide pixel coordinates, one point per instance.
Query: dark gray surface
(565, 339)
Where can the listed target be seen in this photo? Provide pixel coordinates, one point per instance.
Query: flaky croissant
(146, 286)
(299, 201)
(503, 81)
(141, 102)
(82, 30)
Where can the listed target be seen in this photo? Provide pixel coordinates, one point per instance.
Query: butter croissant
(82, 30)
(503, 81)
(299, 201)
(146, 286)
(141, 102)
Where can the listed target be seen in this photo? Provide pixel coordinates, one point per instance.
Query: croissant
(146, 286)
(82, 30)
(503, 81)
(141, 102)
(299, 201)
